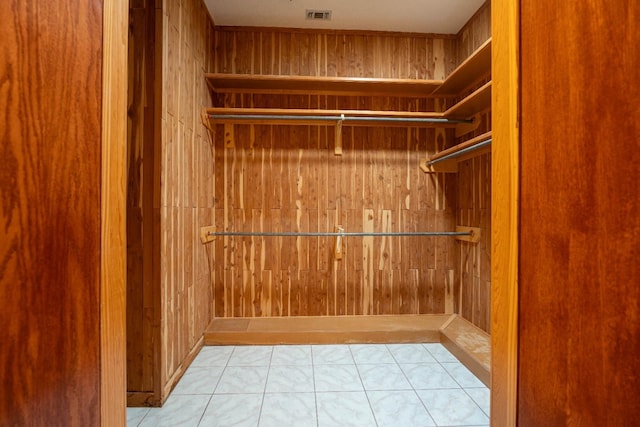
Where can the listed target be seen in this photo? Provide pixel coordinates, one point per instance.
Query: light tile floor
(400, 385)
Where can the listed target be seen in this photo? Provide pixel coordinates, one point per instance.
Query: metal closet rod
(461, 152)
(339, 233)
(338, 118)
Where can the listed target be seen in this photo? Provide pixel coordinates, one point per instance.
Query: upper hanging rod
(460, 152)
(339, 233)
(331, 118)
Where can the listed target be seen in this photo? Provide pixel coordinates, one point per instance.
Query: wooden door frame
(113, 214)
(505, 163)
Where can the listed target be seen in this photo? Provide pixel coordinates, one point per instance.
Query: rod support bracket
(205, 234)
(338, 136)
(337, 252)
(474, 237)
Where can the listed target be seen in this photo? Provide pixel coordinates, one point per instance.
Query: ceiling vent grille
(318, 15)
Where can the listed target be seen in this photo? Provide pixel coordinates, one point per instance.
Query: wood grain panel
(505, 174)
(333, 53)
(474, 33)
(113, 319)
(185, 176)
(280, 164)
(143, 310)
(50, 182)
(473, 209)
(171, 180)
(579, 333)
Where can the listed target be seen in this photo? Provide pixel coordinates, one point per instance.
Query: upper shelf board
(305, 85)
(473, 68)
(478, 101)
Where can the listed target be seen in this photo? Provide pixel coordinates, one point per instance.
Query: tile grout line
(366, 395)
(216, 386)
(315, 392)
(266, 381)
(415, 392)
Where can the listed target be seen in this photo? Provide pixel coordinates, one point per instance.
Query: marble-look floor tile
(347, 409)
(337, 378)
(428, 376)
(410, 353)
(462, 375)
(383, 377)
(251, 356)
(213, 356)
(371, 354)
(482, 396)
(237, 410)
(135, 415)
(178, 410)
(289, 355)
(283, 379)
(440, 353)
(452, 408)
(199, 380)
(289, 409)
(331, 355)
(243, 380)
(399, 409)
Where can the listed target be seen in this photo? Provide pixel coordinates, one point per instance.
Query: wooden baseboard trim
(469, 344)
(142, 399)
(181, 369)
(151, 399)
(326, 330)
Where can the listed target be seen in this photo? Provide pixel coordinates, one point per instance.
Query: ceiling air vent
(318, 15)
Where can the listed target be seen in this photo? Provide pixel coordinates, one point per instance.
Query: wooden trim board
(504, 212)
(113, 215)
(325, 330)
(469, 344)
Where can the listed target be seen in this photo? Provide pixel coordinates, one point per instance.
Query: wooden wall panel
(475, 32)
(170, 194)
(264, 185)
(579, 304)
(287, 178)
(185, 175)
(473, 284)
(50, 182)
(143, 308)
(241, 50)
(473, 296)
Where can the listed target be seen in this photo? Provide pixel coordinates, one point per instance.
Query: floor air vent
(319, 15)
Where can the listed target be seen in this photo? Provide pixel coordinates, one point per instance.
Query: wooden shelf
(274, 116)
(405, 328)
(451, 164)
(478, 101)
(470, 345)
(473, 68)
(305, 85)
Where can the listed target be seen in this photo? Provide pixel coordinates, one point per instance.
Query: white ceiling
(419, 16)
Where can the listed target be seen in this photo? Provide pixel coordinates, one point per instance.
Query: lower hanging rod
(338, 233)
(336, 118)
(461, 152)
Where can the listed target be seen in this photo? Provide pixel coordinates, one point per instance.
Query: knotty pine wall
(286, 178)
(170, 194)
(186, 182)
(473, 207)
(333, 53)
(475, 32)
